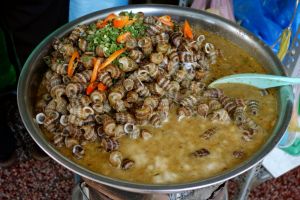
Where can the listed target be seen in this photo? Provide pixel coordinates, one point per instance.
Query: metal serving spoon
(262, 81)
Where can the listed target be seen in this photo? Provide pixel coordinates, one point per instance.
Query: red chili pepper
(102, 87)
(166, 19)
(97, 63)
(187, 30)
(71, 67)
(91, 87)
(103, 23)
(111, 58)
(123, 37)
(120, 21)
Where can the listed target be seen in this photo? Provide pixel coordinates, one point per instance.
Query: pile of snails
(161, 70)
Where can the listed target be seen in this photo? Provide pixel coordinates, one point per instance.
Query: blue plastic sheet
(266, 18)
(80, 8)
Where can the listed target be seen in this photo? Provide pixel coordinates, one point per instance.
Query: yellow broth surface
(166, 157)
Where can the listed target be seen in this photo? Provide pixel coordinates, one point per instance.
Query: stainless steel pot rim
(35, 132)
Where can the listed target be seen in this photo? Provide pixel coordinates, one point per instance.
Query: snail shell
(70, 142)
(208, 133)
(253, 106)
(109, 125)
(124, 117)
(220, 115)
(214, 105)
(132, 96)
(143, 91)
(239, 115)
(202, 110)
(110, 144)
(143, 112)
(173, 55)
(131, 43)
(78, 151)
(146, 44)
(127, 64)
(197, 87)
(156, 58)
(132, 130)
(128, 84)
(87, 61)
(58, 91)
(82, 77)
(89, 133)
(213, 93)
(115, 158)
(77, 32)
(127, 164)
(176, 39)
(74, 89)
(151, 101)
(114, 71)
(40, 118)
(183, 112)
(59, 68)
(189, 101)
(163, 47)
(145, 134)
(136, 55)
(154, 29)
(97, 96)
(98, 108)
(155, 120)
(105, 78)
(200, 153)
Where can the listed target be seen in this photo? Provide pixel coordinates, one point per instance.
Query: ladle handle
(262, 81)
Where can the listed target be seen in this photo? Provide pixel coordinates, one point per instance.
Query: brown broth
(165, 158)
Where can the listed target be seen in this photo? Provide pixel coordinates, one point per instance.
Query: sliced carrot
(102, 87)
(95, 70)
(168, 23)
(187, 30)
(123, 37)
(103, 23)
(111, 58)
(71, 67)
(120, 21)
(166, 19)
(110, 17)
(91, 87)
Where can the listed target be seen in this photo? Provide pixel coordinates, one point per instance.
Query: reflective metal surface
(34, 67)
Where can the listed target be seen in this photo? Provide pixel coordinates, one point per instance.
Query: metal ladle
(262, 81)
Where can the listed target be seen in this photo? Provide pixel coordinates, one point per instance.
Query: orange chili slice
(71, 67)
(111, 58)
(91, 87)
(120, 21)
(123, 37)
(187, 30)
(95, 70)
(166, 19)
(102, 87)
(103, 23)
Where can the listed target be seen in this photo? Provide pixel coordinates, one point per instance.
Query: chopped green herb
(106, 37)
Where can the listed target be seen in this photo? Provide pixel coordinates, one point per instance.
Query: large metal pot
(34, 67)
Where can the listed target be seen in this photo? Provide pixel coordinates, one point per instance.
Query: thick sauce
(166, 157)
